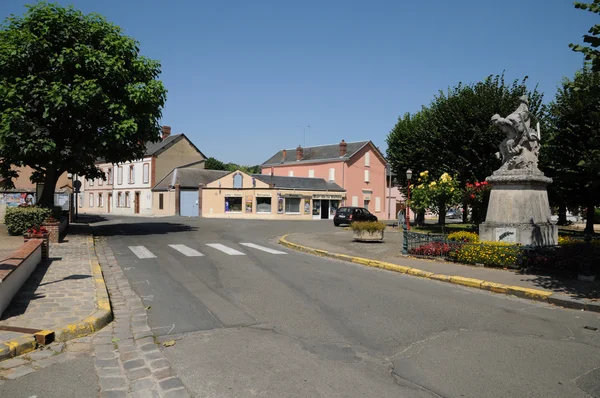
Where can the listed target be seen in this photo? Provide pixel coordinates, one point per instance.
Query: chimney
(299, 153)
(166, 132)
(343, 148)
(283, 156)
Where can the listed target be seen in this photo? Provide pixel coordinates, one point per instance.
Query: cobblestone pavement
(129, 362)
(60, 291)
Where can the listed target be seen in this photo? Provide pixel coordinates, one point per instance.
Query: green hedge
(19, 219)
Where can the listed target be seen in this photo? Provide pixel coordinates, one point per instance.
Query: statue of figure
(521, 147)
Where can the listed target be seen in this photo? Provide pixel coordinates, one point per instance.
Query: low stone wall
(15, 270)
(56, 230)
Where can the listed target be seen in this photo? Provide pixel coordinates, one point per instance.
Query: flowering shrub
(37, 230)
(491, 254)
(19, 219)
(433, 249)
(477, 196)
(463, 236)
(436, 195)
(368, 226)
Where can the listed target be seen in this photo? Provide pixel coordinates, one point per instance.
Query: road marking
(264, 249)
(146, 282)
(225, 249)
(148, 298)
(141, 252)
(187, 251)
(164, 327)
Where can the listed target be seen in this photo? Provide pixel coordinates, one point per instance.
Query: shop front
(325, 206)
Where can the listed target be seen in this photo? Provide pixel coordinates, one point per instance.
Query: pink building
(358, 167)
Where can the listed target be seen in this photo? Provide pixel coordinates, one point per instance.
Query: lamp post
(408, 178)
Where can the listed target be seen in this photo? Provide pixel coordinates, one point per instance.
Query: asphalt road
(294, 325)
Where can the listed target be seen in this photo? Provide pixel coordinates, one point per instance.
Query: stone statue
(521, 147)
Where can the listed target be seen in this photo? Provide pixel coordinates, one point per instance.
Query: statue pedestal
(519, 211)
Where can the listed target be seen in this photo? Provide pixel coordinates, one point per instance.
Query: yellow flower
(424, 174)
(433, 184)
(420, 186)
(451, 189)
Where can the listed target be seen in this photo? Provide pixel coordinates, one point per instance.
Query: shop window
(238, 181)
(161, 201)
(146, 173)
(263, 205)
(292, 205)
(233, 204)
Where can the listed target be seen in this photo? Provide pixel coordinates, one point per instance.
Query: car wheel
(336, 224)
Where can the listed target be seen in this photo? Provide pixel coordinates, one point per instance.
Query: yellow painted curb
(101, 317)
(523, 292)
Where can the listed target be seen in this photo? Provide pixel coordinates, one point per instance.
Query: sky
(245, 77)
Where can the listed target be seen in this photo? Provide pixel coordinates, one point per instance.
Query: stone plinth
(518, 211)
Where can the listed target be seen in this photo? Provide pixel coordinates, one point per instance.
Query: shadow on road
(137, 229)
(573, 287)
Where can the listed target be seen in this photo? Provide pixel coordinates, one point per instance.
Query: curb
(96, 321)
(518, 291)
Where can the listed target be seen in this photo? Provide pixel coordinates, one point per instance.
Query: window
(263, 205)
(91, 183)
(367, 175)
(127, 199)
(355, 201)
(161, 201)
(120, 176)
(367, 159)
(378, 204)
(146, 173)
(91, 204)
(291, 173)
(100, 181)
(119, 199)
(233, 204)
(80, 200)
(131, 175)
(311, 174)
(238, 181)
(109, 176)
(366, 203)
(100, 201)
(332, 174)
(292, 205)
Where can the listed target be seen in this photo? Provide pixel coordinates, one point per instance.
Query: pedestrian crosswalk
(144, 253)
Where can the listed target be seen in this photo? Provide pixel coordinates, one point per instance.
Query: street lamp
(408, 178)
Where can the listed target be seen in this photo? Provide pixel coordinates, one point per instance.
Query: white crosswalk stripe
(186, 251)
(225, 249)
(264, 249)
(141, 252)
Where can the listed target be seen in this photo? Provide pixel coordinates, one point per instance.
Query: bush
(463, 236)
(368, 226)
(432, 249)
(491, 254)
(19, 219)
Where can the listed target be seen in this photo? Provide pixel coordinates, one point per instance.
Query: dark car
(348, 215)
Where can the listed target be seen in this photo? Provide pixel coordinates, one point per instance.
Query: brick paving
(58, 292)
(129, 362)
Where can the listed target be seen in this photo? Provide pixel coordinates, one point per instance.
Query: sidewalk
(575, 292)
(60, 292)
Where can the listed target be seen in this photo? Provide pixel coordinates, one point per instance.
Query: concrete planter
(57, 229)
(366, 236)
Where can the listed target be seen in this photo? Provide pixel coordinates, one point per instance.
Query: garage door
(189, 203)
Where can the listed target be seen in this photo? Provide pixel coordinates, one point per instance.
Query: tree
(214, 164)
(590, 52)
(573, 143)
(73, 89)
(454, 134)
(438, 195)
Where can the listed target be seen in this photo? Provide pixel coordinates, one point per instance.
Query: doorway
(136, 203)
(109, 202)
(324, 209)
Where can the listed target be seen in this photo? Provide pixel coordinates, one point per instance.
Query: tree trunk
(589, 224)
(442, 215)
(421, 218)
(46, 199)
(465, 215)
(562, 214)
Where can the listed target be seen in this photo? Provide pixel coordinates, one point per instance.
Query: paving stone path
(129, 362)
(58, 292)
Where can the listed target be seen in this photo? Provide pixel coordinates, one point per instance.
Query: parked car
(454, 213)
(348, 215)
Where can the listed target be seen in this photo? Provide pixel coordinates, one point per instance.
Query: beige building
(127, 189)
(260, 196)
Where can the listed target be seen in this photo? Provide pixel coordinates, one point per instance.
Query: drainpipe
(343, 182)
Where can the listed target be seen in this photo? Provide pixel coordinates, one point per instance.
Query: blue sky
(245, 77)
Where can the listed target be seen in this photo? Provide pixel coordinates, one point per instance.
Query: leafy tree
(73, 88)
(454, 134)
(438, 195)
(214, 164)
(590, 52)
(573, 142)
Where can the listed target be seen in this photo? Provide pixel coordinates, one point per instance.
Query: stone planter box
(56, 230)
(366, 236)
(45, 244)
